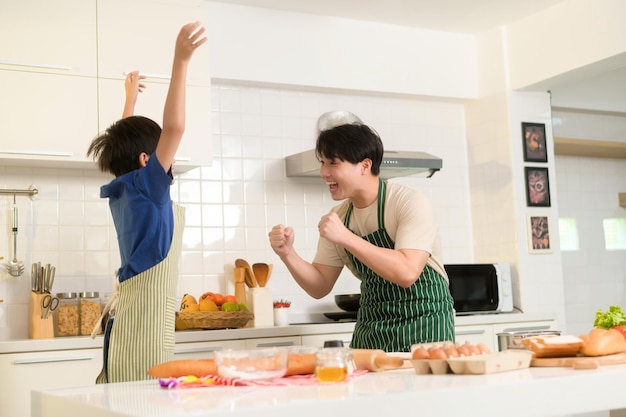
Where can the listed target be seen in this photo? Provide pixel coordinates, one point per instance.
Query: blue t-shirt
(142, 212)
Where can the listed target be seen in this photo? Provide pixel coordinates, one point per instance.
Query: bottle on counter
(66, 317)
(89, 312)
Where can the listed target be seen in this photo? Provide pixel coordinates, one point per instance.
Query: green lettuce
(613, 317)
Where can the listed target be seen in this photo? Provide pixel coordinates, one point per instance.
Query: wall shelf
(589, 148)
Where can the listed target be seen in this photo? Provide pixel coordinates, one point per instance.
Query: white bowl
(264, 363)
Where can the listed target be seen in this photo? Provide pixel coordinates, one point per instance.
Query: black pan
(348, 302)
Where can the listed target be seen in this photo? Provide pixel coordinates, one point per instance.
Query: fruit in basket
(243, 307)
(189, 303)
(216, 297)
(229, 299)
(208, 305)
(230, 306)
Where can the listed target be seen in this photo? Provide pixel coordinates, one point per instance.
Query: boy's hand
(133, 83)
(189, 38)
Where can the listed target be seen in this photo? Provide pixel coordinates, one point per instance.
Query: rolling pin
(375, 360)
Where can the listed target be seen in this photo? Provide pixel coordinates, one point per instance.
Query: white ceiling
(602, 89)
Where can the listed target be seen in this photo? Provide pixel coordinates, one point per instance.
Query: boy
(148, 224)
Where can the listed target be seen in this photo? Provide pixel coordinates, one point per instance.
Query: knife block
(38, 328)
(262, 306)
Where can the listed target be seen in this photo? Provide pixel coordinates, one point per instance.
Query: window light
(614, 234)
(568, 234)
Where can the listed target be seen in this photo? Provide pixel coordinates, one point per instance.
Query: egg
(437, 353)
(420, 353)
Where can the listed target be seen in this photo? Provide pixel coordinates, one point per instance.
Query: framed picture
(534, 135)
(537, 187)
(538, 234)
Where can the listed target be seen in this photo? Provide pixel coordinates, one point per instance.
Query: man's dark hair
(352, 143)
(117, 150)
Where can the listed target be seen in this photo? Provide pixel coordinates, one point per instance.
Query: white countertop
(529, 392)
(188, 336)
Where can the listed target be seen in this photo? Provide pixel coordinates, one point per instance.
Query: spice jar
(66, 315)
(89, 312)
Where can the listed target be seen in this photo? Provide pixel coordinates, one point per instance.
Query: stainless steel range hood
(395, 164)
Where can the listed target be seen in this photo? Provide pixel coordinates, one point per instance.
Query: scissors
(48, 304)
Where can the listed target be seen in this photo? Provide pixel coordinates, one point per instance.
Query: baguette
(553, 346)
(600, 342)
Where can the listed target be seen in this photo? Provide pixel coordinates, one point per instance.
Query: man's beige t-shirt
(410, 221)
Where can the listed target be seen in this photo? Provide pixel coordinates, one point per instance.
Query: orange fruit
(216, 297)
(229, 299)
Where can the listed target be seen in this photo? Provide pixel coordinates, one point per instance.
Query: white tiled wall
(232, 204)
(594, 277)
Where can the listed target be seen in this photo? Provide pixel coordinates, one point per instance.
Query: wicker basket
(212, 319)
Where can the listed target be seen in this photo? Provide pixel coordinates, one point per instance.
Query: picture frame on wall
(537, 187)
(534, 135)
(539, 238)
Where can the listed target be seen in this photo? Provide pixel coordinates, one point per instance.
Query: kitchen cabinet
(205, 350)
(317, 340)
(46, 119)
(273, 342)
(475, 335)
(23, 372)
(48, 106)
(47, 36)
(195, 148)
(59, 94)
(141, 34)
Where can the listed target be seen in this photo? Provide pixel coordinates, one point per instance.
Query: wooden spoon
(250, 278)
(262, 273)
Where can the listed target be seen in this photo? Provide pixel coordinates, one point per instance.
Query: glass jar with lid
(65, 316)
(90, 311)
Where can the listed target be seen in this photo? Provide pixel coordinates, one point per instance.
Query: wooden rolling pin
(375, 360)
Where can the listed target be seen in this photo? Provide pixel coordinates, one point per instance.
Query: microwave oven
(480, 288)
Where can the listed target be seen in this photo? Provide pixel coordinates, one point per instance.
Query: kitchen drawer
(475, 335)
(204, 350)
(22, 372)
(318, 340)
(273, 342)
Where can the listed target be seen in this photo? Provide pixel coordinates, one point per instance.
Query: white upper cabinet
(195, 148)
(141, 35)
(48, 36)
(46, 119)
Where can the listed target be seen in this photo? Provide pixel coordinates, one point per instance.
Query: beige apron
(142, 334)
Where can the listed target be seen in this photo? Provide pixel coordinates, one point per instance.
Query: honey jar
(333, 364)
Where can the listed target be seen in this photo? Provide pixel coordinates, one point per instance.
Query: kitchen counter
(529, 392)
(189, 336)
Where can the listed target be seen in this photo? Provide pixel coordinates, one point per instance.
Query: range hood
(395, 164)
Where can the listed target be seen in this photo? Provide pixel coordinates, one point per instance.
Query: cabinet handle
(524, 329)
(34, 65)
(36, 153)
(274, 344)
(182, 159)
(467, 332)
(198, 350)
(153, 75)
(59, 359)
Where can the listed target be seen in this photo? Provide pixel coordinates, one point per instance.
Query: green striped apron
(142, 331)
(393, 318)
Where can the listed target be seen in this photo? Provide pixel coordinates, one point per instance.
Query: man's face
(342, 177)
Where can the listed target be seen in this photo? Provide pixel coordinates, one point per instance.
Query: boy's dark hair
(117, 150)
(352, 143)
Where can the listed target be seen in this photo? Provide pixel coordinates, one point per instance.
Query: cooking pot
(348, 302)
(513, 340)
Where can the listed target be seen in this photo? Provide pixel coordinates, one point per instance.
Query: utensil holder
(262, 306)
(39, 328)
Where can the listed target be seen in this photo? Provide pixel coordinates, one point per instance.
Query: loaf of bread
(600, 342)
(553, 346)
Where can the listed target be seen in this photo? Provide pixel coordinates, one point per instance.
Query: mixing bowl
(263, 363)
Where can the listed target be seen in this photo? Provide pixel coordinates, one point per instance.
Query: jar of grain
(65, 317)
(89, 303)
